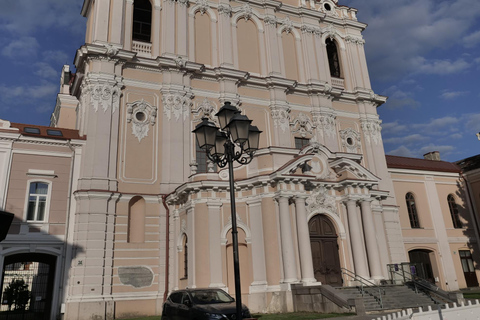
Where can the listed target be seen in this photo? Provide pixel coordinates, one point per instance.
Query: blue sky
(424, 55)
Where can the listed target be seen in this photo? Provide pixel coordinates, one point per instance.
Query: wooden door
(468, 269)
(326, 261)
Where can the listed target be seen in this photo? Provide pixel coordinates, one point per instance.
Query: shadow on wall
(464, 218)
(34, 272)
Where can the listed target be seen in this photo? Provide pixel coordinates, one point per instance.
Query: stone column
(288, 250)
(306, 262)
(356, 239)
(371, 240)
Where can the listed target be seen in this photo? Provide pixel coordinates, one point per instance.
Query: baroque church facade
(145, 212)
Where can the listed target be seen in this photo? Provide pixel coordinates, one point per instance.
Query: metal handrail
(428, 287)
(365, 283)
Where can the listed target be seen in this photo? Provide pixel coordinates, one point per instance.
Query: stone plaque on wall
(137, 277)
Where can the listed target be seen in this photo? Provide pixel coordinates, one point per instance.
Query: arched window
(37, 201)
(185, 258)
(136, 220)
(142, 20)
(452, 205)
(333, 59)
(412, 210)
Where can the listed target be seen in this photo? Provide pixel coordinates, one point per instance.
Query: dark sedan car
(201, 304)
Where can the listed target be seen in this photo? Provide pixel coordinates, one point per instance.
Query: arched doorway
(420, 260)
(27, 286)
(326, 261)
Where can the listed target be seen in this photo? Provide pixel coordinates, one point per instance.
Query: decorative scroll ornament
(287, 25)
(224, 9)
(307, 29)
(281, 117)
(205, 109)
(326, 123)
(247, 11)
(302, 124)
(371, 129)
(320, 201)
(270, 20)
(203, 6)
(328, 7)
(141, 115)
(183, 2)
(177, 105)
(330, 31)
(104, 96)
(350, 140)
(111, 50)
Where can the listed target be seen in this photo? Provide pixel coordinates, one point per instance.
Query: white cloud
(56, 56)
(453, 94)
(472, 122)
(23, 47)
(26, 93)
(390, 128)
(398, 98)
(456, 136)
(27, 16)
(46, 71)
(407, 140)
(472, 39)
(401, 151)
(401, 33)
(441, 149)
(441, 67)
(438, 126)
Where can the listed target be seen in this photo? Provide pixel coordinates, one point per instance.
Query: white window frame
(47, 204)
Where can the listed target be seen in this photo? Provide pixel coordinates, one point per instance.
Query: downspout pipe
(167, 247)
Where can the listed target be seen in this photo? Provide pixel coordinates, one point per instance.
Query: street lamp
(235, 140)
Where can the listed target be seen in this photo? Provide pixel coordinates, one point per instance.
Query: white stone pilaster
(371, 240)
(286, 235)
(214, 235)
(258, 250)
(356, 239)
(305, 249)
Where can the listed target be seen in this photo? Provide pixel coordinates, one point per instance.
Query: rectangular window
(37, 201)
(301, 142)
(202, 160)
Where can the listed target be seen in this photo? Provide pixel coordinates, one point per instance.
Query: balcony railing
(338, 83)
(144, 49)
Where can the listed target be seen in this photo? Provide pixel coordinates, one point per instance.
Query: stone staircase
(394, 297)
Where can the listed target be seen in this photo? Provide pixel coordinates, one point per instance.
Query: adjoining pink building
(124, 207)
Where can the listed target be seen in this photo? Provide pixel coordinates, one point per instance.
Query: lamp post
(235, 140)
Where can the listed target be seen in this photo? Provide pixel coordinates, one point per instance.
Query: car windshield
(210, 296)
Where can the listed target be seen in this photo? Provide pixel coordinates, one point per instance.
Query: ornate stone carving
(246, 11)
(205, 109)
(320, 201)
(287, 24)
(183, 226)
(183, 2)
(351, 140)
(270, 21)
(302, 124)
(180, 62)
(354, 40)
(371, 129)
(141, 115)
(203, 6)
(224, 9)
(111, 50)
(177, 105)
(193, 167)
(281, 117)
(330, 30)
(325, 122)
(104, 96)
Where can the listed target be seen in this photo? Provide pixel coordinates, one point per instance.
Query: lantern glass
(253, 139)
(238, 127)
(219, 149)
(205, 133)
(225, 114)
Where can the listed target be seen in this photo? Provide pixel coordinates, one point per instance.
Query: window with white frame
(37, 201)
